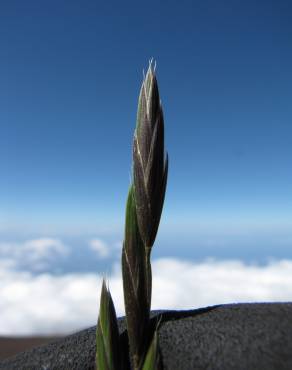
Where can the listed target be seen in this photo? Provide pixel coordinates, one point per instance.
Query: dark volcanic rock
(240, 336)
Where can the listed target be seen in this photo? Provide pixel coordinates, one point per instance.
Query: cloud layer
(100, 247)
(37, 253)
(50, 304)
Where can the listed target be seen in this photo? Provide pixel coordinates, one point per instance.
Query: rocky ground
(235, 336)
(10, 346)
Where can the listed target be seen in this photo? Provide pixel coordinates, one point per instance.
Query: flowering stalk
(144, 207)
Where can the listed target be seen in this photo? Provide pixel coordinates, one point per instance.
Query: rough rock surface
(235, 336)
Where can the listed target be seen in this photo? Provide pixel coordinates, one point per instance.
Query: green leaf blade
(151, 361)
(107, 334)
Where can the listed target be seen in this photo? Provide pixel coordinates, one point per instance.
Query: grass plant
(143, 212)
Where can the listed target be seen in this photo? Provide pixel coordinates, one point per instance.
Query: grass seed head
(149, 163)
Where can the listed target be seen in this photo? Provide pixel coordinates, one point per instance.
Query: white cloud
(187, 285)
(36, 252)
(100, 247)
(44, 248)
(48, 304)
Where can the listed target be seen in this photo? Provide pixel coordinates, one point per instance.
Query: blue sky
(70, 76)
(69, 82)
